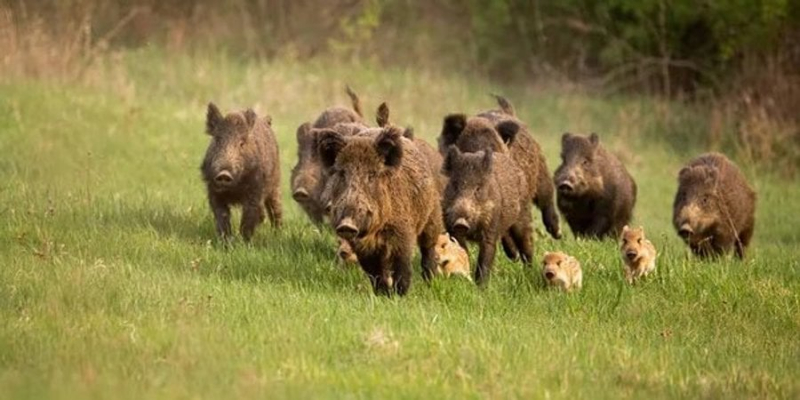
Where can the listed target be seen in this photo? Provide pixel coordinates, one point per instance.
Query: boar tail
(505, 105)
(355, 100)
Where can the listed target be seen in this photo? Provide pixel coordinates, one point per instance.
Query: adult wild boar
(486, 198)
(714, 209)
(596, 194)
(307, 178)
(241, 167)
(501, 131)
(383, 201)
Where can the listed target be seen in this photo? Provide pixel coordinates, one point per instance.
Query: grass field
(112, 286)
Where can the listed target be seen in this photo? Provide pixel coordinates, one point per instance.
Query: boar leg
(252, 215)
(601, 226)
(222, 217)
(549, 215)
(509, 247)
(427, 243)
(273, 205)
(743, 241)
(401, 271)
(523, 238)
(487, 249)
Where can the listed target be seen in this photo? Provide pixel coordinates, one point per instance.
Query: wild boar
(307, 178)
(714, 209)
(562, 271)
(486, 198)
(241, 167)
(596, 194)
(451, 258)
(501, 131)
(383, 200)
(638, 253)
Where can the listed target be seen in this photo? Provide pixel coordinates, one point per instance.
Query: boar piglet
(485, 199)
(383, 200)
(714, 209)
(596, 194)
(241, 167)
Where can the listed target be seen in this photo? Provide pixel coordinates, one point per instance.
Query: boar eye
(639, 241)
(586, 162)
(624, 241)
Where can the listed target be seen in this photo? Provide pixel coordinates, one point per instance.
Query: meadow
(112, 284)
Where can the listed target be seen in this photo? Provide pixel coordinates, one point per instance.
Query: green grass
(112, 286)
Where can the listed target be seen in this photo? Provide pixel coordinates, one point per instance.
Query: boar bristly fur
(383, 200)
(596, 194)
(241, 167)
(714, 209)
(486, 199)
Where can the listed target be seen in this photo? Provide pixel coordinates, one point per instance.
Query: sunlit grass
(112, 285)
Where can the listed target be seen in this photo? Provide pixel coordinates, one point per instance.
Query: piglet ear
(486, 161)
(594, 139)
(329, 145)
(449, 160)
(213, 118)
(389, 144)
(452, 127)
(250, 117)
(508, 131)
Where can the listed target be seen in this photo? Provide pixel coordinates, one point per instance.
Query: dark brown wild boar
(241, 167)
(501, 131)
(383, 201)
(596, 194)
(307, 178)
(487, 198)
(714, 209)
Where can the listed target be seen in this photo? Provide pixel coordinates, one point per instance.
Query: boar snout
(300, 194)
(223, 178)
(631, 255)
(461, 226)
(565, 186)
(347, 229)
(549, 275)
(685, 231)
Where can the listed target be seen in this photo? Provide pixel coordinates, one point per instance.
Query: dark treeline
(662, 45)
(738, 60)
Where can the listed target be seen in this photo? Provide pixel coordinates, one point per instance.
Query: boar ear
(508, 131)
(408, 133)
(449, 160)
(268, 120)
(303, 131)
(382, 116)
(486, 161)
(594, 139)
(213, 118)
(250, 116)
(683, 173)
(451, 129)
(329, 145)
(390, 146)
(565, 138)
(712, 175)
